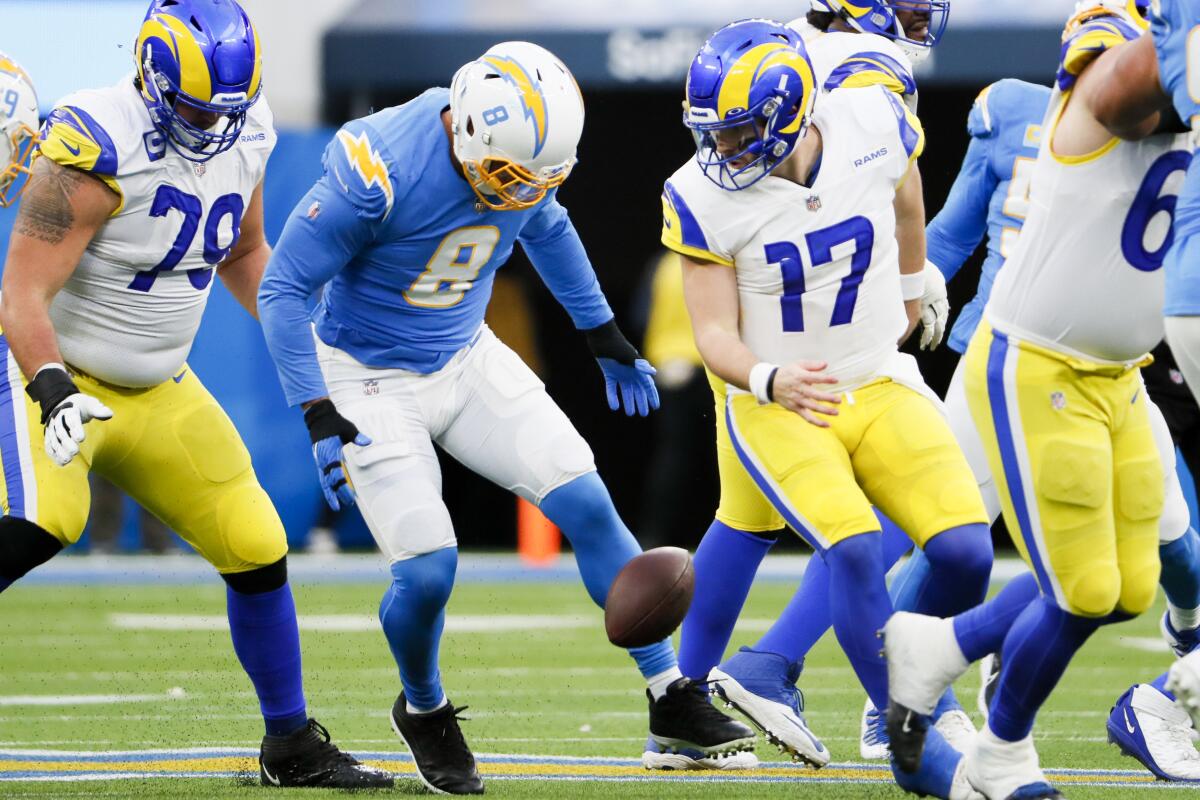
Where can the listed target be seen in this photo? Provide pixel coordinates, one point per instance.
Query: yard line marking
(1151, 644)
(359, 623)
(80, 699)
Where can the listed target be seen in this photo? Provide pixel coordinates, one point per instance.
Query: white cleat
(957, 729)
(1149, 727)
(658, 758)
(872, 735)
(997, 769)
(1184, 682)
(782, 722)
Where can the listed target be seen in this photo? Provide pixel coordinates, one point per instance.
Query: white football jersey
(817, 268)
(845, 60)
(129, 312)
(1086, 277)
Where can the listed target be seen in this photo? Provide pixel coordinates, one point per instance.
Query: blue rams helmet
(880, 17)
(203, 55)
(750, 91)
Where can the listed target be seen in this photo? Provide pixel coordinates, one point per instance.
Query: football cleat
(1182, 642)
(1149, 727)
(763, 687)
(684, 720)
(655, 756)
(989, 679)
(1008, 770)
(923, 660)
(941, 774)
(444, 762)
(1183, 681)
(957, 729)
(872, 734)
(308, 758)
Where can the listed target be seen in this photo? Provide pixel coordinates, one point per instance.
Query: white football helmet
(516, 115)
(18, 128)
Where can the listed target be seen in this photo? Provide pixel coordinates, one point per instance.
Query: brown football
(649, 597)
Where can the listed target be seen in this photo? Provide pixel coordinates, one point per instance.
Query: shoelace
(1180, 741)
(876, 732)
(327, 748)
(453, 733)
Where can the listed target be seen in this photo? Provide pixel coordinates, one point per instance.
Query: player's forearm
(560, 259)
(725, 354)
(1123, 92)
(243, 275)
(25, 320)
(286, 327)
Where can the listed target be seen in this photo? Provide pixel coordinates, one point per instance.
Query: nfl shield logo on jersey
(1058, 401)
(813, 203)
(370, 387)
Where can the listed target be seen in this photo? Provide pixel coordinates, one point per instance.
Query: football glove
(935, 308)
(628, 378)
(330, 432)
(65, 410)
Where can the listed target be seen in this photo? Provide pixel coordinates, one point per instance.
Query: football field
(120, 689)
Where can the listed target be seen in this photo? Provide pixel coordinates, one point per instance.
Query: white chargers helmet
(18, 128)
(516, 115)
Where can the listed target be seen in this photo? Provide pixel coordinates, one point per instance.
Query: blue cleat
(1182, 642)
(763, 687)
(940, 773)
(1148, 726)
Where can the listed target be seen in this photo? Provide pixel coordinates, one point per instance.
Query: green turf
(536, 692)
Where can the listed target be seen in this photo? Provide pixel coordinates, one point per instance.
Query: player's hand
(330, 432)
(797, 388)
(632, 384)
(935, 308)
(65, 410)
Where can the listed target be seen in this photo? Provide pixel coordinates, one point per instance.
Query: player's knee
(251, 532)
(582, 507)
(423, 582)
(24, 546)
(858, 558)
(964, 552)
(1095, 592)
(258, 581)
(1139, 589)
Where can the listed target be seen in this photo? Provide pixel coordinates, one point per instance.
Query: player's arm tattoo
(46, 212)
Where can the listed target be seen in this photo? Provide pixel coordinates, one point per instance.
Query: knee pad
(1095, 593)
(259, 581)
(424, 582)
(251, 532)
(965, 551)
(1139, 490)
(24, 546)
(1139, 587)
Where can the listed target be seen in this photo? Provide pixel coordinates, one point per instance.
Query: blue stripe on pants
(10, 452)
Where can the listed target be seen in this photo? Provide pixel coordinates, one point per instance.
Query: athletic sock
(860, 607)
(1036, 652)
(267, 642)
(657, 684)
(982, 629)
(1160, 683)
(1180, 579)
(413, 613)
(411, 709)
(807, 616)
(725, 564)
(960, 564)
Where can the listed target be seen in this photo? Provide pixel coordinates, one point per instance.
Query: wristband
(324, 421)
(762, 382)
(50, 386)
(912, 286)
(607, 341)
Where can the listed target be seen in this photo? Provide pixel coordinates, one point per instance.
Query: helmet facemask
(191, 141)
(17, 144)
(759, 148)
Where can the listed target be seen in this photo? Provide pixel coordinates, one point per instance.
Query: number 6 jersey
(129, 312)
(817, 267)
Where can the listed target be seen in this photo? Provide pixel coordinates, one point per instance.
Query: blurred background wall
(329, 61)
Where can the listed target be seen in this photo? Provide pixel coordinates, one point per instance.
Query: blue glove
(635, 382)
(330, 431)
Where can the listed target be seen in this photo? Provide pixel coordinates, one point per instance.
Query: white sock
(1183, 619)
(410, 708)
(658, 683)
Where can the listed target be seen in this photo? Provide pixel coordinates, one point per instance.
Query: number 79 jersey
(817, 268)
(129, 312)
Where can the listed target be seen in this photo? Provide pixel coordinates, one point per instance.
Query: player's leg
(185, 463)
(507, 429)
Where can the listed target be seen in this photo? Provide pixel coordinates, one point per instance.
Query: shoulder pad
(1085, 43)
(909, 128)
(71, 136)
(359, 165)
(979, 120)
(1007, 103)
(872, 67)
(684, 231)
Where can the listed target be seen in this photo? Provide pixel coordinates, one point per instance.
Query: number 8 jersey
(128, 314)
(817, 267)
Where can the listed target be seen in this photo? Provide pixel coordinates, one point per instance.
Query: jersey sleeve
(556, 252)
(1084, 43)
(359, 164)
(73, 137)
(684, 233)
(909, 131)
(980, 120)
(959, 227)
(871, 68)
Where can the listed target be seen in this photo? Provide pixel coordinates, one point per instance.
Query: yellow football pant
(1080, 479)
(170, 447)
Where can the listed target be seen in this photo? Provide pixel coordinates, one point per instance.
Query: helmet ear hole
(470, 126)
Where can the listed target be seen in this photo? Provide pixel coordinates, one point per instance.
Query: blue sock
(1160, 683)
(412, 613)
(585, 513)
(1180, 577)
(267, 642)
(725, 564)
(807, 615)
(982, 629)
(909, 581)
(960, 564)
(1036, 652)
(859, 601)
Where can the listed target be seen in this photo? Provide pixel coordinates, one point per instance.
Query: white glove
(935, 308)
(64, 429)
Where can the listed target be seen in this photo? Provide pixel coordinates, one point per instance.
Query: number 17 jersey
(817, 267)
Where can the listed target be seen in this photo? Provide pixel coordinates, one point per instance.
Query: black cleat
(685, 719)
(308, 758)
(906, 731)
(443, 760)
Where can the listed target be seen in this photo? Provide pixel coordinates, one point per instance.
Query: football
(649, 597)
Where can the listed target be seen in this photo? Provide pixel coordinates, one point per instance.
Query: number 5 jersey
(128, 314)
(817, 266)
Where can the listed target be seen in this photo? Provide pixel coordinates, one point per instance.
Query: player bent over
(795, 227)
(419, 206)
(143, 190)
